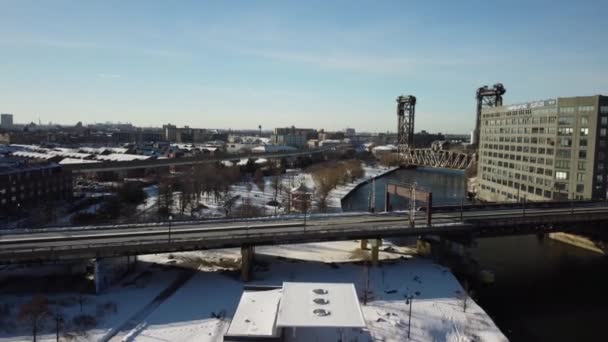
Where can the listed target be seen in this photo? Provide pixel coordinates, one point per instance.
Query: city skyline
(278, 64)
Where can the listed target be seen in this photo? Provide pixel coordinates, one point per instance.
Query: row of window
(565, 164)
(536, 171)
(580, 109)
(569, 131)
(514, 148)
(511, 113)
(519, 139)
(52, 182)
(529, 189)
(521, 121)
(520, 130)
(33, 195)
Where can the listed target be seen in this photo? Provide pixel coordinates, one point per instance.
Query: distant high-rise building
(170, 132)
(6, 120)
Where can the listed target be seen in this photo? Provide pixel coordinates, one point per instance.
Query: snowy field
(201, 309)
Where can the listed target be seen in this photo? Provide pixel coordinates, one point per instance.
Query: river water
(544, 290)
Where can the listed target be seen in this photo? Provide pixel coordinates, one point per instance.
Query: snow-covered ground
(127, 297)
(437, 310)
(202, 308)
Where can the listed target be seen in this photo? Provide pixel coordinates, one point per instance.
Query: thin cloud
(109, 75)
(83, 45)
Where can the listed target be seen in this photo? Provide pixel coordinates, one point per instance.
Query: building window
(561, 175)
(562, 164)
(585, 109)
(566, 110)
(602, 132)
(583, 143)
(581, 165)
(604, 109)
(604, 120)
(584, 131)
(567, 142)
(580, 177)
(582, 154)
(566, 121)
(565, 131)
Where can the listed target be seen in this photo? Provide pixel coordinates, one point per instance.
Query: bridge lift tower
(486, 97)
(406, 108)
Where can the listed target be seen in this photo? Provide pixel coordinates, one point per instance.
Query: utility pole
(58, 321)
(413, 206)
(170, 219)
(372, 197)
(461, 209)
(409, 301)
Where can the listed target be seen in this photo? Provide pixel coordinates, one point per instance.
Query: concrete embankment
(355, 186)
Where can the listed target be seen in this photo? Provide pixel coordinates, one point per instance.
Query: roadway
(158, 163)
(74, 243)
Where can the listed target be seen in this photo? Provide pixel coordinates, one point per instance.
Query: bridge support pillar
(376, 243)
(363, 244)
(247, 259)
(108, 270)
(387, 199)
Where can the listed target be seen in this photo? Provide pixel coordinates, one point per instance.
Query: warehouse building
(545, 150)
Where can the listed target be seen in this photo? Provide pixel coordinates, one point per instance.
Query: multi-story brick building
(546, 150)
(28, 184)
(291, 136)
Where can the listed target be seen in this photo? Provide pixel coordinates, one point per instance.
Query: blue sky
(331, 64)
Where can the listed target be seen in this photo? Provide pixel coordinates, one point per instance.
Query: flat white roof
(76, 161)
(256, 314)
(121, 157)
(332, 305)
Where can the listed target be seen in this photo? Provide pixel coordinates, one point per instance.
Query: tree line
(329, 175)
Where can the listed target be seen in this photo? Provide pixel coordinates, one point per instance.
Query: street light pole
(170, 219)
(409, 320)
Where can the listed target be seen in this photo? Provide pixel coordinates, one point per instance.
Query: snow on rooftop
(33, 155)
(69, 154)
(332, 305)
(256, 314)
(261, 161)
(121, 157)
(76, 161)
(385, 148)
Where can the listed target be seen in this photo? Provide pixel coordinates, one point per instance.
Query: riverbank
(337, 195)
(578, 241)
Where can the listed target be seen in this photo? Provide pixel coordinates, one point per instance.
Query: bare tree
(248, 209)
(34, 312)
(258, 179)
(165, 196)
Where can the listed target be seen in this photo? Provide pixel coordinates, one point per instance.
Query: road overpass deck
(108, 242)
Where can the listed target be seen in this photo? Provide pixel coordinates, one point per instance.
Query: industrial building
(25, 184)
(292, 136)
(545, 150)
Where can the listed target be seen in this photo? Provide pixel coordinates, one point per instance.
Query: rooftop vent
(321, 312)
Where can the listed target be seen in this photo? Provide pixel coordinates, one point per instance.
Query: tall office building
(6, 120)
(545, 150)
